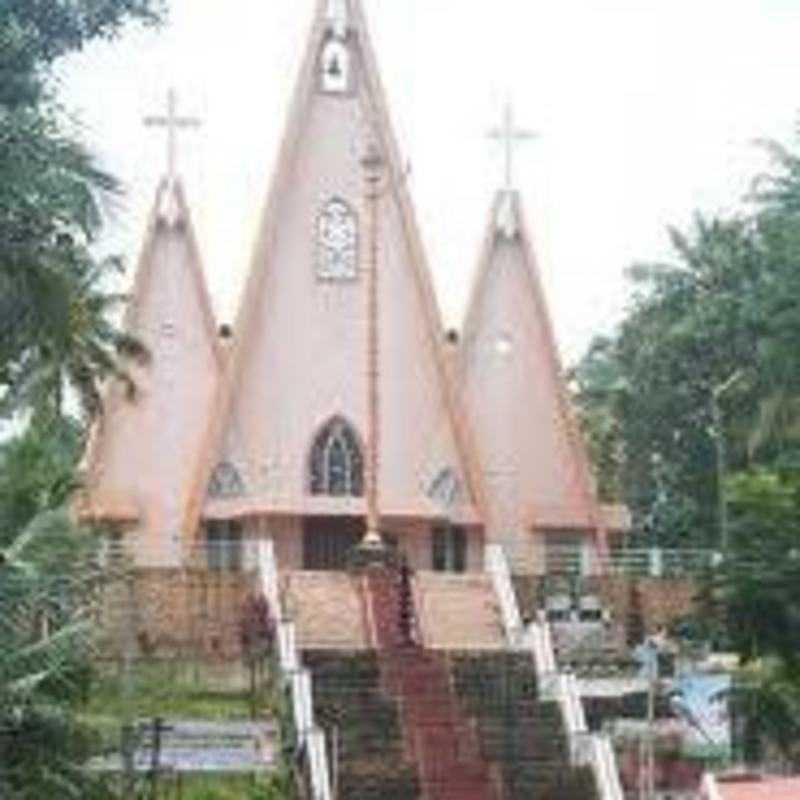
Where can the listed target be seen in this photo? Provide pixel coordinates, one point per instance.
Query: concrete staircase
(458, 612)
(439, 710)
(454, 612)
(363, 721)
(521, 735)
(327, 609)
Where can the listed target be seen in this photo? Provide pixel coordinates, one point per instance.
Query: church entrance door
(328, 541)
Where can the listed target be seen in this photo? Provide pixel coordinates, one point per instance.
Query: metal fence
(539, 558)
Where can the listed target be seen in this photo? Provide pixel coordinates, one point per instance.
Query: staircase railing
(586, 748)
(310, 737)
(498, 569)
(604, 763)
(709, 788)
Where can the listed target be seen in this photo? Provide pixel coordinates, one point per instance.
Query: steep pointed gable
(137, 461)
(299, 355)
(536, 465)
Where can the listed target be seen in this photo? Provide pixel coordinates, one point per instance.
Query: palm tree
(75, 345)
(46, 605)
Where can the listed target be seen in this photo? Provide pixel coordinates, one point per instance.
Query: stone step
(327, 609)
(458, 612)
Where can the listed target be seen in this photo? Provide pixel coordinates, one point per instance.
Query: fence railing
(538, 558)
(604, 763)
(310, 737)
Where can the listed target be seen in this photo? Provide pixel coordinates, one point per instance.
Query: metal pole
(373, 171)
(651, 758)
(721, 456)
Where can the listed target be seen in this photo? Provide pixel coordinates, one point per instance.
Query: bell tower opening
(335, 66)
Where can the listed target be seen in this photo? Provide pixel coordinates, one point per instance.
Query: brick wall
(662, 600)
(169, 612)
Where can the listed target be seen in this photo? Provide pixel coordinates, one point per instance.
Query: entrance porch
(326, 543)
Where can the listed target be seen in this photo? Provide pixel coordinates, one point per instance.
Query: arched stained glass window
(337, 241)
(337, 465)
(225, 482)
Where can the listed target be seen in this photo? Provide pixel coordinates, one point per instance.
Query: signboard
(702, 703)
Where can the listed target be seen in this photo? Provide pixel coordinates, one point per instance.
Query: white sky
(646, 111)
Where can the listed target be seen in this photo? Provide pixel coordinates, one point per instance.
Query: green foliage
(761, 578)
(727, 305)
(46, 600)
(45, 592)
(37, 472)
(182, 690)
(36, 32)
(702, 379)
(276, 786)
(56, 335)
(600, 384)
(55, 329)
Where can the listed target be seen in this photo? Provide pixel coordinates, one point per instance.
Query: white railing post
(656, 562)
(710, 788)
(500, 573)
(287, 648)
(302, 717)
(604, 763)
(269, 574)
(318, 759)
(299, 680)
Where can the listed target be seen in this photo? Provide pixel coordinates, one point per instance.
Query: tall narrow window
(449, 549)
(224, 545)
(337, 241)
(337, 466)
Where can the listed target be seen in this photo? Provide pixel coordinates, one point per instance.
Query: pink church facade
(338, 375)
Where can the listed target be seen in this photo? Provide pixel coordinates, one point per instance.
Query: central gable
(300, 355)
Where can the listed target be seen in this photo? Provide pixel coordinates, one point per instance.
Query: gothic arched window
(335, 67)
(337, 241)
(225, 482)
(337, 466)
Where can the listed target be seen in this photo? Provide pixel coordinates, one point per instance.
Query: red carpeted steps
(437, 734)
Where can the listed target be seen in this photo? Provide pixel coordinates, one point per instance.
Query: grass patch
(277, 786)
(175, 690)
(221, 788)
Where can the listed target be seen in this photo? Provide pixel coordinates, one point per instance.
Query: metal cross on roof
(173, 123)
(510, 136)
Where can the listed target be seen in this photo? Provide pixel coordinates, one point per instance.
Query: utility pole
(647, 656)
(720, 444)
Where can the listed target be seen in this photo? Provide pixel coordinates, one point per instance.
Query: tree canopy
(715, 330)
(57, 336)
(54, 329)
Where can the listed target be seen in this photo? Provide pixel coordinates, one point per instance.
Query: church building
(337, 407)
